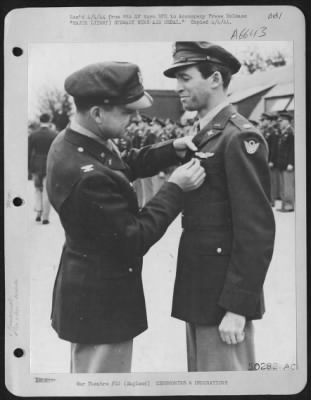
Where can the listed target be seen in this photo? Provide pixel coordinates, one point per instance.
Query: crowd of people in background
(278, 131)
(276, 128)
(143, 130)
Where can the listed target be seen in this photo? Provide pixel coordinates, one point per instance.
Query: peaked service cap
(190, 53)
(285, 115)
(113, 82)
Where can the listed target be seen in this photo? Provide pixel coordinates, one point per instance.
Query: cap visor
(171, 72)
(144, 102)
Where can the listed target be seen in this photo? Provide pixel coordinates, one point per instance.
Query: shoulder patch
(251, 145)
(87, 168)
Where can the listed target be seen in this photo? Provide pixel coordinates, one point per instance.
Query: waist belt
(81, 245)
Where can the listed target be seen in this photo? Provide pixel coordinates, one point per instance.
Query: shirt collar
(211, 114)
(75, 126)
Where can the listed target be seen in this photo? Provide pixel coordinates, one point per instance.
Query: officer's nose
(133, 115)
(179, 86)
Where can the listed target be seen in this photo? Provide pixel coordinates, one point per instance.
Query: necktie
(113, 148)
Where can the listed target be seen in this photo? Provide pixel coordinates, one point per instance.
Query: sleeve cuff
(239, 301)
(168, 155)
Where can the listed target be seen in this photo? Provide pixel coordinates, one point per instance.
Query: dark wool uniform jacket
(98, 295)
(228, 226)
(285, 149)
(39, 143)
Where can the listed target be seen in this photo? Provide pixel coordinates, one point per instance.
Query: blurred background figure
(285, 162)
(269, 129)
(153, 133)
(255, 123)
(39, 142)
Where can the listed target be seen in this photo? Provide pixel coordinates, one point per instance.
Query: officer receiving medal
(228, 226)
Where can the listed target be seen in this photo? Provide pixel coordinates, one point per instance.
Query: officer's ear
(96, 114)
(216, 80)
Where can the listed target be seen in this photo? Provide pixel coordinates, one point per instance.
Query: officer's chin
(188, 107)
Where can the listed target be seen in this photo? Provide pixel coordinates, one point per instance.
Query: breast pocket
(204, 259)
(213, 165)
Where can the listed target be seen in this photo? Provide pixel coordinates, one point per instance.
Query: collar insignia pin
(174, 49)
(140, 77)
(88, 168)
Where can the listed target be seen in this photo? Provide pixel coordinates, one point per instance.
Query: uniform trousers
(42, 203)
(275, 184)
(288, 190)
(207, 352)
(101, 358)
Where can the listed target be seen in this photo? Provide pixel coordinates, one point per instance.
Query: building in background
(263, 91)
(252, 94)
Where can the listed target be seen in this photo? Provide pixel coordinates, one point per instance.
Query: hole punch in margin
(18, 353)
(17, 51)
(18, 201)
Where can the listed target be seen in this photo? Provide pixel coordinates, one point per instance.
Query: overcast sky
(50, 64)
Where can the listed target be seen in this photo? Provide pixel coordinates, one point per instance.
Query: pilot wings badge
(174, 49)
(203, 156)
(251, 146)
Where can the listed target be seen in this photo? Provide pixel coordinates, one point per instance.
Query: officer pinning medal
(98, 299)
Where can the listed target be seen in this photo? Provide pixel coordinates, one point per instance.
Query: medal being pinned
(251, 146)
(203, 156)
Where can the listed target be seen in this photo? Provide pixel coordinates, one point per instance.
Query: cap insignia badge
(174, 48)
(251, 146)
(140, 77)
(209, 133)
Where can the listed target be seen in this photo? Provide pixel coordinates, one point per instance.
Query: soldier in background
(269, 129)
(254, 122)
(170, 128)
(285, 162)
(39, 142)
(151, 185)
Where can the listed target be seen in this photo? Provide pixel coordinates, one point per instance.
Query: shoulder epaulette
(243, 124)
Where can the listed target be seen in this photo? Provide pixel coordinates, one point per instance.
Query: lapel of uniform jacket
(214, 127)
(98, 150)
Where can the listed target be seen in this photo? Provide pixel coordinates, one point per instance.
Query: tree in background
(254, 61)
(56, 103)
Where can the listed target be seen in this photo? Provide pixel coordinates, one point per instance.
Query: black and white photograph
(162, 211)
